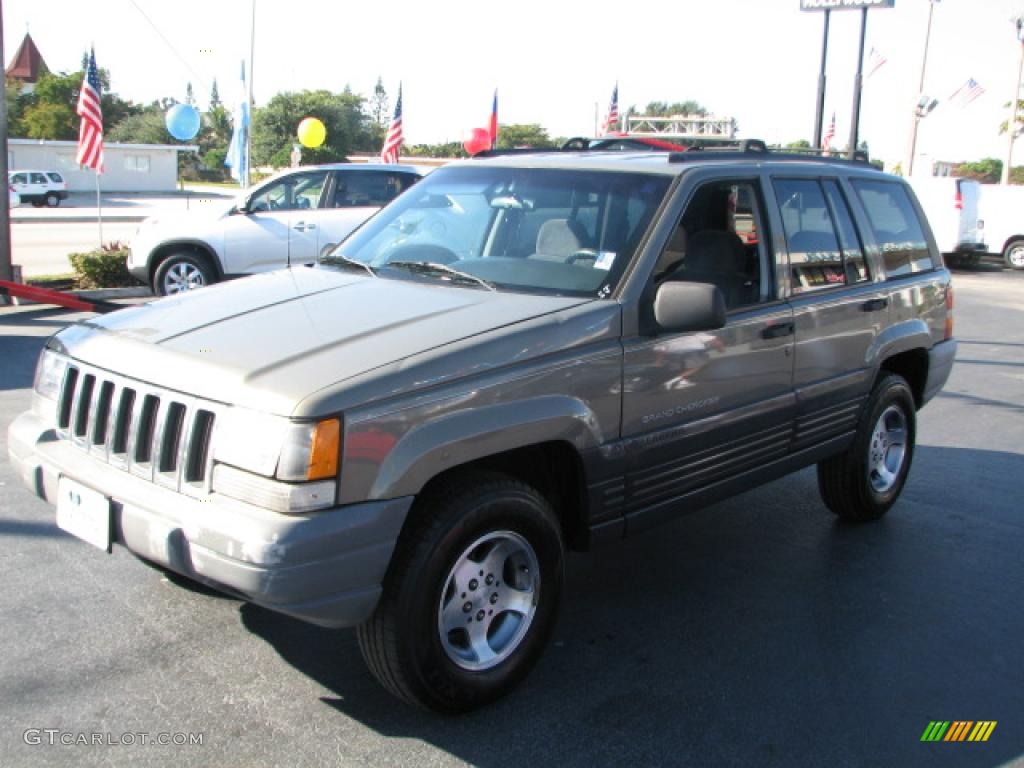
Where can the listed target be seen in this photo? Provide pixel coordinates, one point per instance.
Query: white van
(1002, 212)
(951, 205)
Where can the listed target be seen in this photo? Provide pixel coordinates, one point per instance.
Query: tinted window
(37, 178)
(355, 189)
(815, 257)
(895, 226)
(19, 178)
(55, 177)
(854, 265)
(717, 242)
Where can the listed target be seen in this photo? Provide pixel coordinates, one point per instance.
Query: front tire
(182, 272)
(863, 482)
(470, 597)
(1013, 254)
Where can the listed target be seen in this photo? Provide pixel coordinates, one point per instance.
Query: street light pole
(5, 215)
(1011, 127)
(912, 150)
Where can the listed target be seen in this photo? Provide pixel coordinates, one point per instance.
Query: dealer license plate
(84, 513)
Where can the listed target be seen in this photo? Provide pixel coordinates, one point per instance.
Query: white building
(127, 167)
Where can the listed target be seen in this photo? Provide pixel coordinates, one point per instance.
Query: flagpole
(248, 128)
(912, 150)
(99, 209)
(1011, 127)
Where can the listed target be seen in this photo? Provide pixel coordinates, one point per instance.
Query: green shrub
(102, 267)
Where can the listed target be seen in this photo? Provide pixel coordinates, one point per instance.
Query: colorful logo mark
(959, 730)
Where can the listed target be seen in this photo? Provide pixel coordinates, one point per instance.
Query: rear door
(838, 308)
(356, 195)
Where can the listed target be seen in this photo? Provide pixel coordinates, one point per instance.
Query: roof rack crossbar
(748, 147)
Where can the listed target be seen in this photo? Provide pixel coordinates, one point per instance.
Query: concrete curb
(134, 292)
(123, 219)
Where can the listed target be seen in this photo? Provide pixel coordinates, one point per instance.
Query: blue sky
(755, 60)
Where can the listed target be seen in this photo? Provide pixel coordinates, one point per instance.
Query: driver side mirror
(681, 306)
(242, 207)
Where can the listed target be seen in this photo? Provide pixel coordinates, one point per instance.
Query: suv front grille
(153, 433)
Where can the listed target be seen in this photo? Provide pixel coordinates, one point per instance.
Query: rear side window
(356, 189)
(895, 225)
(56, 178)
(37, 178)
(824, 251)
(19, 178)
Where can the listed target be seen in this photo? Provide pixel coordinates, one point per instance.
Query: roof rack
(748, 147)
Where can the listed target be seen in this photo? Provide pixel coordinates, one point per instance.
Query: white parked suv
(290, 219)
(39, 187)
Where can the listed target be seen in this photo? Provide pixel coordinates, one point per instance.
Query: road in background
(757, 632)
(42, 248)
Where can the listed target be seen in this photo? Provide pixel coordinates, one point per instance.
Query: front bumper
(325, 568)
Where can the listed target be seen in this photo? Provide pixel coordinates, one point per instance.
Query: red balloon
(478, 141)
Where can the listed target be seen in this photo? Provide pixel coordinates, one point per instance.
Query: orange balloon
(478, 141)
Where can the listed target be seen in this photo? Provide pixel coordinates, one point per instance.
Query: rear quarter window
(895, 225)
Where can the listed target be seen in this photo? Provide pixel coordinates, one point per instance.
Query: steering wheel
(577, 142)
(583, 254)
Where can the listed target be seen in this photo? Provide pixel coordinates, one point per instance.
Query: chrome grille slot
(67, 398)
(123, 422)
(198, 447)
(145, 430)
(172, 426)
(101, 419)
(82, 406)
(155, 434)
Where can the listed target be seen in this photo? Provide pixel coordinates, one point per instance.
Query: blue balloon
(182, 122)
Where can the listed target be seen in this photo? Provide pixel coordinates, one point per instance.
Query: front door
(279, 226)
(702, 407)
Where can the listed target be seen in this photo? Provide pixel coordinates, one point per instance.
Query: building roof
(60, 144)
(27, 64)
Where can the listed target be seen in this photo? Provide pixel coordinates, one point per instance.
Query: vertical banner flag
(611, 122)
(90, 132)
(492, 126)
(238, 158)
(393, 141)
(966, 93)
(826, 140)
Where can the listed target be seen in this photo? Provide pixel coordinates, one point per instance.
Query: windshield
(523, 229)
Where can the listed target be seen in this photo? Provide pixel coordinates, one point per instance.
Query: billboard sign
(843, 5)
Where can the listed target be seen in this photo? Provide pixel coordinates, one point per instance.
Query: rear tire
(52, 200)
(863, 482)
(1013, 254)
(470, 597)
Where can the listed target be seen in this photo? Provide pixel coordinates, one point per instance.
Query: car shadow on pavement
(760, 631)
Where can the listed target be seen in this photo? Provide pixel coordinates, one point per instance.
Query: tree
(664, 109)
(214, 95)
(987, 171)
(190, 98)
(49, 111)
(348, 127)
(798, 144)
(379, 104)
(447, 149)
(524, 135)
(148, 127)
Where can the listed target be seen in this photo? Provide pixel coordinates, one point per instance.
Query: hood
(269, 340)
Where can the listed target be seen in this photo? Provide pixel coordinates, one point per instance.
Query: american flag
(967, 93)
(90, 133)
(611, 122)
(393, 141)
(875, 61)
(826, 140)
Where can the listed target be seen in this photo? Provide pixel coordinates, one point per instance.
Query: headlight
(310, 451)
(49, 375)
(250, 440)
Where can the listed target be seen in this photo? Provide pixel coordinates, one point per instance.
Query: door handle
(873, 305)
(778, 330)
(301, 226)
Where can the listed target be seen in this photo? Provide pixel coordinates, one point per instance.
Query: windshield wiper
(341, 260)
(442, 270)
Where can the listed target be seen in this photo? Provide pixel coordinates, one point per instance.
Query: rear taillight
(948, 333)
(958, 198)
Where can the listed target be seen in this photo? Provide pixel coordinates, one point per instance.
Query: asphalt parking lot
(758, 632)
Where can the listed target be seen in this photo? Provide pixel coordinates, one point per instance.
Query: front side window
(824, 250)
(520, 229)
(717, 241)
(895, 225)
(294, 192)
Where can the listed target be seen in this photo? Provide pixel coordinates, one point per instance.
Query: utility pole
(912, 150)
(819, 110)
(858, 84)
(6, 273)
(1011, 127)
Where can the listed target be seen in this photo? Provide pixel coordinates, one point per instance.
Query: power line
(174, 50)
